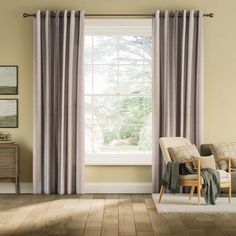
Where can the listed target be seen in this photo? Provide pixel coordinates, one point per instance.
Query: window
(118, 103)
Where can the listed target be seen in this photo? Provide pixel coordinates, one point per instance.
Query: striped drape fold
(177, 81)
(58, 156)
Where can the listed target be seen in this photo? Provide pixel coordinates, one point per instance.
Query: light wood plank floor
(102, 214)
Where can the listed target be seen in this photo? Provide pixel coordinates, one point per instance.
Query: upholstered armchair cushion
(223, 150)
(224, 177)
(183, 153)
(206, 161)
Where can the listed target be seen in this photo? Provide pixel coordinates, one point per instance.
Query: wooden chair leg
(198, 182)
(161, 193)
(191, 192)
(229, 193)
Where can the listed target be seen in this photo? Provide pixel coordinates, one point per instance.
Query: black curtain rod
(118, 15)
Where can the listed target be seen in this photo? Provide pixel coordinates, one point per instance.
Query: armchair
(191, 180)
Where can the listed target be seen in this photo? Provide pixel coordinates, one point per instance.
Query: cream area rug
(180, 203)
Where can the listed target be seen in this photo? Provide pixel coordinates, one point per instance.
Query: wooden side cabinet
(9, 163)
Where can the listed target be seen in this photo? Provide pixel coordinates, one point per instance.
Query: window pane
(132, 110)
(88, 110)
(105, 79)
(131, 74)
(147, 73)
(105, 110)
(88, 49)
(105, 139)
(134, 89)
(88, 139)
(148, 110)
(148, 50)
(131, 79)
(145, 139)
(131, 50)
(135, 139)
(88, 79)
(129, 139)
(104, 50)
(147, 89)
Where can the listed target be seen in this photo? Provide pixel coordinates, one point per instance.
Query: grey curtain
(177, 80)
(58, 156)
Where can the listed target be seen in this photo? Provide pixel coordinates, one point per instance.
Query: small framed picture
(8, 80)
(8, 113)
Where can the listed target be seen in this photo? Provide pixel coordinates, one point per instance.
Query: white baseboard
(89, 188)
(10, 188)
(118, 187)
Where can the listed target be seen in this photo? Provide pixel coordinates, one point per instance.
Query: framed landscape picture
(8, 80)
(8, 113)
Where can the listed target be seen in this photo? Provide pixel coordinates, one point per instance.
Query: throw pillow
(183, 153)
(206, 161)
(222, 150)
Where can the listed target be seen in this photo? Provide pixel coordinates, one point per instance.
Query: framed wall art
(8, 80)
(8, 113)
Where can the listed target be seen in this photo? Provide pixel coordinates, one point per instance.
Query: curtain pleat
(63, 109)
(37, 108)
(58, 102)
(80, 124)
(177, 81)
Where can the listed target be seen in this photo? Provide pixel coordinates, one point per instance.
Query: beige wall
(220, 69)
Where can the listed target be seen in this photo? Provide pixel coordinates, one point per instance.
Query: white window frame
(118, 27)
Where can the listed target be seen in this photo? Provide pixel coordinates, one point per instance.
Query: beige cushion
(223, 174)
(183, 153)
(206, 162)
(222, 150)
(167, 142)
(224, 177)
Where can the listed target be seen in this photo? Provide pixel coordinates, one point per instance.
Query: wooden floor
(98, 214)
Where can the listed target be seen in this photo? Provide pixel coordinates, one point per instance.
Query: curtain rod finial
(211, 14)
(25, 14)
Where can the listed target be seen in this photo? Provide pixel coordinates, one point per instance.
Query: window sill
(119, 161)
